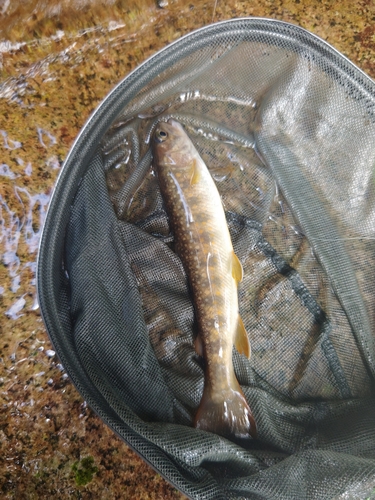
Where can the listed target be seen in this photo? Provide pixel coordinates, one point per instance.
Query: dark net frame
(317, 447)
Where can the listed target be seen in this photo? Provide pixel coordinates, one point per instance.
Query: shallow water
(53, 75)
(49, 86)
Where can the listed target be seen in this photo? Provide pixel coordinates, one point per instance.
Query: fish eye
(160, 136)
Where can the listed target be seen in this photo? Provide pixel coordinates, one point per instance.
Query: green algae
(84, 471)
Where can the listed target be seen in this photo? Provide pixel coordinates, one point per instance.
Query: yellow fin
(198, 345)
(241, 340)
(237, 270)
(194, 174)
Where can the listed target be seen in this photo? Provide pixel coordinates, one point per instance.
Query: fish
(203, 243)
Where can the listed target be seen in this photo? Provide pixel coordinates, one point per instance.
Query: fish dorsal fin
(194, 173)
(241, 341)
(237, 271)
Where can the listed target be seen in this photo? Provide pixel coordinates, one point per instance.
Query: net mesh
(286, 127)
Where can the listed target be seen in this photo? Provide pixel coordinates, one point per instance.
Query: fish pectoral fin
(198, 345)
(241, 340)
(194, 173)
(237, 270)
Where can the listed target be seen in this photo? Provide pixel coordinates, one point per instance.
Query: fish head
(171, 145)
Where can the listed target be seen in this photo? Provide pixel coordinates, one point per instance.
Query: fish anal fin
(194, 173)
(237, 270)
(241, 340)
(229, 417)
(198, 345)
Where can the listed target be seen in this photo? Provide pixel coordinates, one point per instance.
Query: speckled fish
(203, 243)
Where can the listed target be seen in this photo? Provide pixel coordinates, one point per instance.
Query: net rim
(82, 152)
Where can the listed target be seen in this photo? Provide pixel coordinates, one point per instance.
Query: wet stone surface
(55, 68)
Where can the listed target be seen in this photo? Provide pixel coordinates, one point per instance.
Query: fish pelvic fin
(198, 345)
(194, 173)
(237, 270)
(230, 416)
(241, 340)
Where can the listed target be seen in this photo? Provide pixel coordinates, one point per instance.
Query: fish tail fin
(230, 416)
